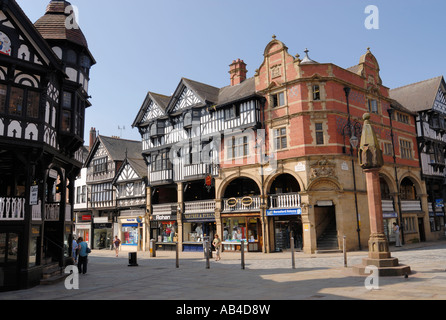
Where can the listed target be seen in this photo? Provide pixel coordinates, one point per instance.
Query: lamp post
(352, 131)
(399, 214)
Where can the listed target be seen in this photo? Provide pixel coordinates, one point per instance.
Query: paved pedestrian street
(265, 277)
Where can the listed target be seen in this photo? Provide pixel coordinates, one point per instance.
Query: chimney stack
(237, 71)
(92, 137)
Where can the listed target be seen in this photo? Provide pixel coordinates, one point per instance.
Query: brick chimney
(92, 137)
(237, 71)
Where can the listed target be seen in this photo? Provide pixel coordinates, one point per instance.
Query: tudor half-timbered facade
(131, 183)
(182, 139)
(41, 135)
(105, 160)
(427, 99)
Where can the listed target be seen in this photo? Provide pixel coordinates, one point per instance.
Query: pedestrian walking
(84, 250)
(74, 249)
(217, 245)
(396, 230)
(116, 244)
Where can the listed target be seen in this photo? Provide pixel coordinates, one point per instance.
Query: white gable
(187, 99)
(127, 174)
(152, 112)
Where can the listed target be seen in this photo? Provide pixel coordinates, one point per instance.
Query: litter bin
(132, 259)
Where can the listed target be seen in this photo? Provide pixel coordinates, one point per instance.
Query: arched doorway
(411, 225)
(240, 216)
(285, 213)
(388, 207)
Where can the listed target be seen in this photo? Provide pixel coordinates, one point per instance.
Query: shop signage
(52, 174)
(231, 202)
(246, 201)
(102, 225)
(284, 212)
(86, 217)
(439, 203)
(100, 220)
(199, 217)
(34, 195)
(388, 215)
(164, 217)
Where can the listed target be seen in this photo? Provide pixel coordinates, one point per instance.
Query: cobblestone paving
(265, 277)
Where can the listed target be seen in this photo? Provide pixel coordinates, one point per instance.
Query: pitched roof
(204, 91)
(118, 149)
(207, 93)
(418, 96)
(162, 102)
(52, 25)
(231, 94)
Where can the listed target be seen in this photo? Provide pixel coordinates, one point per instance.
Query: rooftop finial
(307, 59)
(274, 37)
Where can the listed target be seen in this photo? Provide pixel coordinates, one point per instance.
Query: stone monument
(371, 161)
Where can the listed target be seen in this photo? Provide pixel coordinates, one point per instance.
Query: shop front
(102, 233)
(287, 223)
(197, 228)
(132, 233)
(82, 227)
(164, 230)
(238, 228)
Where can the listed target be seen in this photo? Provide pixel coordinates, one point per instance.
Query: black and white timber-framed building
(182, 137)
(428, 100)
(112, 186)
(44, 75)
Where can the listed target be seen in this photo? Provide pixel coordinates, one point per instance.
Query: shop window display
(102, 238)
(130, 234)
(238, 229)
(195, 234)
(168, 232)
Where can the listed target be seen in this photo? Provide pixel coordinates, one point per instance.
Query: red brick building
(311, 112)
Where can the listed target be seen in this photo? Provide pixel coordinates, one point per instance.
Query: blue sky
(146, 45)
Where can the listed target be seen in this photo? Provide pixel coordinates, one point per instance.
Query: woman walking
(217, 245)
(116, 243)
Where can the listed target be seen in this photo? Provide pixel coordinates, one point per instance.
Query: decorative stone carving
(322, 168)
(370, 154)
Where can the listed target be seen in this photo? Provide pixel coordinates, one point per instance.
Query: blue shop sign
(284, 212)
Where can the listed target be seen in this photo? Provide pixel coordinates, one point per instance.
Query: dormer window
(191, 118)
(157, 129)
